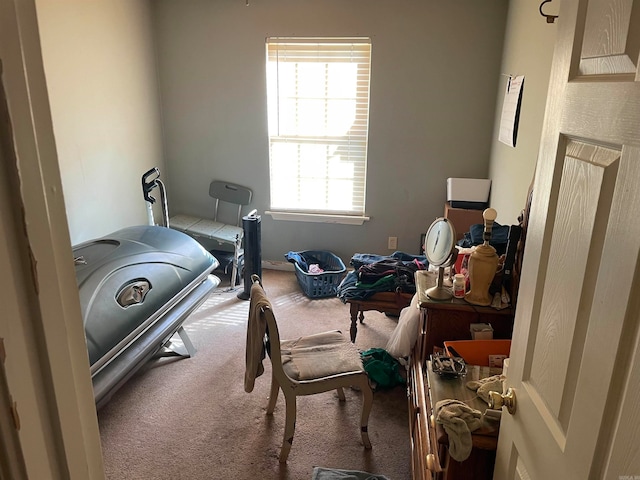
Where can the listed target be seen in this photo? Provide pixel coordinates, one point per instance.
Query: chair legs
(273, 395)
(289, 428)
(367, 404)
(290, 417)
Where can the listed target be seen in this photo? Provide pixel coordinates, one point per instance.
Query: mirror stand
(439, 292)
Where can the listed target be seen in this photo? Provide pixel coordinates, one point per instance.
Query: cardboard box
(462, 218)
(481, 331)
(468, 192)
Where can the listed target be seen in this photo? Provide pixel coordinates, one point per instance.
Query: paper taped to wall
(511, 110)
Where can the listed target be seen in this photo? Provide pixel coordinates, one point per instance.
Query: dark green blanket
(382, 368)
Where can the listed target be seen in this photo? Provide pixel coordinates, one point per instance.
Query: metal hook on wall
(550, 18)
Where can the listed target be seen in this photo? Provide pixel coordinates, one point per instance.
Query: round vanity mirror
(440, 250)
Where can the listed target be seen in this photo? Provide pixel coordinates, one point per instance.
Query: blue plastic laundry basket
(323, 284)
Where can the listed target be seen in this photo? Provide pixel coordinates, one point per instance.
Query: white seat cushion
(320, 355)
(203, 227)
(183, 222)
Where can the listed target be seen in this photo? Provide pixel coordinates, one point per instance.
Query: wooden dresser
(452, 319)
(440, 321)
(429, 441)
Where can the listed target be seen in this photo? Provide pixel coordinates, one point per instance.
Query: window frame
(294, 52)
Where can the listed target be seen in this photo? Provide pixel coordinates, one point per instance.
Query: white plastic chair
(225, 233)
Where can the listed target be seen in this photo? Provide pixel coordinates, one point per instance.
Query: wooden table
(390, 303)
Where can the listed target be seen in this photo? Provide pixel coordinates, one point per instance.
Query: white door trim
(47, 362)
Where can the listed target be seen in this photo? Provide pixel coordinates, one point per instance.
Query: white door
(575, 363)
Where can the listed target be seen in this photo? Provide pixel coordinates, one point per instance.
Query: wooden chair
(225, 233)
(305, 366)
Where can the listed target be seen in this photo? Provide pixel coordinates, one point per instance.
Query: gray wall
(435, 104)
(435, 66)
(101, 77)
(528, 51)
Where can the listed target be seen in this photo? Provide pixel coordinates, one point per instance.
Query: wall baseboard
(277, 265)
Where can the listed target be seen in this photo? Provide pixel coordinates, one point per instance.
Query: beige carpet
(191, 418)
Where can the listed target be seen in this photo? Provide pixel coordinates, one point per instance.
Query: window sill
(317, 218)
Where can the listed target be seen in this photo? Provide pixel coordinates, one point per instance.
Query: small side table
(386, 302)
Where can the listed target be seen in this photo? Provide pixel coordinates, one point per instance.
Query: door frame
(47, 362)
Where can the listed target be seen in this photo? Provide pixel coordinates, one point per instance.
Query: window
(318, 107)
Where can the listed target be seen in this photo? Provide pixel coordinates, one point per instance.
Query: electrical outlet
(393, 243)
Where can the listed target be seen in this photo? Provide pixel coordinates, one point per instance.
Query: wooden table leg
(353, 309)
(390, 303)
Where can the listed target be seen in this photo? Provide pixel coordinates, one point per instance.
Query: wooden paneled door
(575, 364)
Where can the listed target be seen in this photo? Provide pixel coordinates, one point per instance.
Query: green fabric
(382, 368)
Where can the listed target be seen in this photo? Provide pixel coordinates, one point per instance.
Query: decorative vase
(483, 264)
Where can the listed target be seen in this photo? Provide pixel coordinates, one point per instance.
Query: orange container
(476, 352)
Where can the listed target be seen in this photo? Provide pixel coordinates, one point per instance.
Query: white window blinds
(318, 107)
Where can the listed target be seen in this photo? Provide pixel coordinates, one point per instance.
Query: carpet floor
(191, 418)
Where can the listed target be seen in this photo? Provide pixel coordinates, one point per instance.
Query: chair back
(229, 193)
(272, 335)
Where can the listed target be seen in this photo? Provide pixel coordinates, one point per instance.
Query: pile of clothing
(459, 420)
(378, 273)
